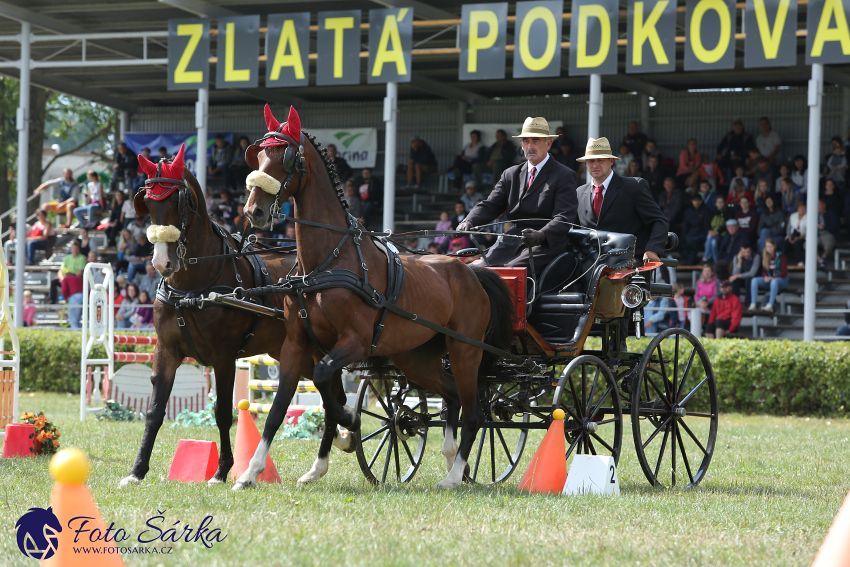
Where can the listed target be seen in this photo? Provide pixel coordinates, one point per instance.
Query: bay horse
(340, 328)
(214, 335)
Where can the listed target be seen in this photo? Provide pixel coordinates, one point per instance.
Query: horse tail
(499, 331)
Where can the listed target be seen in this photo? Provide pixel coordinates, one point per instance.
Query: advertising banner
(652, 33)
(338, 45)
(483, 33)
(593, 31)
(537, 39)
(171, 142)
(390, 40)
(357, 146)
(188, 54)
(710, 30)
(287, 49)
(238, 50)
(771, 33)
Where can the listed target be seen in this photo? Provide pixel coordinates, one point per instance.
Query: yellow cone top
(243, 404)
(70, 466)
(559, 414)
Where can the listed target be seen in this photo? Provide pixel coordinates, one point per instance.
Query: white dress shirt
(538, 167)
(605, 185)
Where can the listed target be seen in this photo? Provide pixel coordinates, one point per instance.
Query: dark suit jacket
(551, 196)
(628, 208)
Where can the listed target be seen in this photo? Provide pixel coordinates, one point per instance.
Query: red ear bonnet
(170, 173)
(291, 128)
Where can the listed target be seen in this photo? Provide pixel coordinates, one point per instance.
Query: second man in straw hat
(539, 196)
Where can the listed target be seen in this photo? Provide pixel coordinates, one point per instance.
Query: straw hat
(535, 128)
(598, 149)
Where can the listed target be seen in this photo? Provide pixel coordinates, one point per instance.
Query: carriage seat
(585, 242)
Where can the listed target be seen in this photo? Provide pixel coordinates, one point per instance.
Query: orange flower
(40, 421)
(40, 437)
(56, 431)
(56, 444)
(49, 435)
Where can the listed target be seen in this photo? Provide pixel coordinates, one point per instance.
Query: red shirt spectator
(71, 284)
(727, 308)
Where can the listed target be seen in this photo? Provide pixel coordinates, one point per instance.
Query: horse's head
(279, 168)
(169, 199)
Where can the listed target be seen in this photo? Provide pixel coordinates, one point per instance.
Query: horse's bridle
(293, 161)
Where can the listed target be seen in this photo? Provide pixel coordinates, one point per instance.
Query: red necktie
(597, 199)
(531, 177)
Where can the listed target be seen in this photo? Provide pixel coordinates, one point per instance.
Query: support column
(23, 124)
(594, 108)
(644, 115)
(201, 120)
(391, 125)
(815, 113)
(845, 109)
(122, 125)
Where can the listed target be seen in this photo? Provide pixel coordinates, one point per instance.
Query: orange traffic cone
(547, 471)
(835, 550)
(71, 499)
(247, 440)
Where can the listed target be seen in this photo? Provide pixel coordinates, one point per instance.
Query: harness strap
(187, 336)
(302, 305)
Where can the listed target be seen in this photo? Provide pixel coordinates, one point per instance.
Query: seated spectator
(844, 330)
(784, 173)
(654, 176)
(226, 209)
(434, 248)
(124, 169)
(473, 152)
(128, 307)
(771, 223)
(831, 195)
(726, 313)
(710, 171)
(240, 223)
(795, 234)
(751, 163)
(150, 280)
(731, 242)
(705, 312)
(142, 317)
(651, 150)
(139, 225)
(29, 309)
(633, 170)
(69, 195)
(141, 176)
(94, 202)
(86, 244)
(239, 168)
(695, 226)
(119, 297)
(421, 162)
(444, 223)
(73, 264)
(124, 250)
(635, 140)
(689, 163)
(115, 223)
(744, 269)
(761, 194)
(121, 284)
(799, 172)
(459, 243)
(740, 176)
(657, 316)
(764, 171)
(97, 276)
(768, 141)
(343, 170)
(621, 166)
(789, 197)
(501, 155)
(460, 214)
(220, 160)
(371, 193)
(470, 196)
(732, 149)
(715, 231)
(679, 319)
(737, 191)
(835, 167)
(708, 286)
(564, 153)
(748, 221)
(709, 195)
(163, 152)
(290, 236)
(829, 227)
(352, 197)
(139, 258)
(774, 274)
(39, 235)
(72, 291)
(672, 202)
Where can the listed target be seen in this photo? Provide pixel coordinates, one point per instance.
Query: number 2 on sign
(611, 468)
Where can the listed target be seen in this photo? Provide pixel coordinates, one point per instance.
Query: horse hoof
(214, 481)
(447, 484)
(346, 441)
(128, 480)
(241, 485)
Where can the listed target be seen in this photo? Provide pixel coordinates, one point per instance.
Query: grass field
(771, 493)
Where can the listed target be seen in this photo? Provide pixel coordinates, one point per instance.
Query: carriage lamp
(632, 296)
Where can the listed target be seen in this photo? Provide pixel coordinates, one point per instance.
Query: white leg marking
(128, 480)
(449, 448)
(255, 467)
(455, 476)
(343, 439)
(320, 469)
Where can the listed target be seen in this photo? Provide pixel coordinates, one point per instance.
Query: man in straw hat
(540, 198)
(620, 204)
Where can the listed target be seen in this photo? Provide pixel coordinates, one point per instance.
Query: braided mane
(330, 168)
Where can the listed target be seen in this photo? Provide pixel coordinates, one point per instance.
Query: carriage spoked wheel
(393, 430)
(501, 440)
(588, 394)
(674, 410)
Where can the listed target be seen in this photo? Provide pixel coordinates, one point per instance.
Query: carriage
(667, 392)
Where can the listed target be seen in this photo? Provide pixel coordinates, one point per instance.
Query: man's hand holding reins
(531, 237)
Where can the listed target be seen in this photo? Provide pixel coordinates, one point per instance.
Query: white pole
(391, 124)
(201, 120)
(815, 109)
(122, 125)
(594, 108)
(23, 123)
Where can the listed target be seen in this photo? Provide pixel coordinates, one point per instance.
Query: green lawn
(772, 490)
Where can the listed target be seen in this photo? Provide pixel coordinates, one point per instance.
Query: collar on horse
(293, 159)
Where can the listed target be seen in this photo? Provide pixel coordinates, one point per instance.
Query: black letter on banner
(238, 49)
(710, 35)
(287, 48)
(652, 37)
(338, 42)
(828, 39)
(771, 33)
(537, 39)
(593, 37)
(483, 33)
(390, 42)
(188, 53)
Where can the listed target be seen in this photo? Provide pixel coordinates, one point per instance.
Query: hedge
(771, 377)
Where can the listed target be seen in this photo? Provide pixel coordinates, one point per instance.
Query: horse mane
(330, 168)
(200, 200)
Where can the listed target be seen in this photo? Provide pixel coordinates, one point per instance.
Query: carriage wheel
(393, 431)
(588, 393)
(674, 409)
(497, 450)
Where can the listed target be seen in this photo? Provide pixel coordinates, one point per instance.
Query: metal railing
(694, 318)
(12, 211)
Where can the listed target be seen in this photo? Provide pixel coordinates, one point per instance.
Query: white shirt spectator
(766, 144)
(128, 210)
(795, 222)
